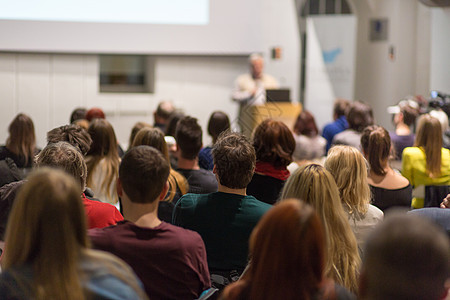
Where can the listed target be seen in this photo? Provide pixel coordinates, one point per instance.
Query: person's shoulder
(375, 212)
(183, 237)
(413, 151)
(257, 203)
(106, 233)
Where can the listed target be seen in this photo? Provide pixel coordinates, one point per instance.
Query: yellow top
(414, 168)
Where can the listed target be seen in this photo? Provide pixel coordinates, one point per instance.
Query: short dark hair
(189, 137)
(410, 114)
(143, 174)
(274, 143)
(218, 122)
(340, 107)
(75, 135)
(359, 116)
(234, 158)
(77, 114)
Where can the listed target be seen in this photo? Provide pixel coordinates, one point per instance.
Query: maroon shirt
(169, 260)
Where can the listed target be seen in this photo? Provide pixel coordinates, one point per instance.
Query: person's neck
(141, 214)
(376, 178)
(224, 189)
(402, 129)
(188, 164)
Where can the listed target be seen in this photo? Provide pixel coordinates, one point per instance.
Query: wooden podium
(251, 115)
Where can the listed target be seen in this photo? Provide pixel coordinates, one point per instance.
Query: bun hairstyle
(376, 145)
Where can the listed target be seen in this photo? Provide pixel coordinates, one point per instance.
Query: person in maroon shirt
(169, 260)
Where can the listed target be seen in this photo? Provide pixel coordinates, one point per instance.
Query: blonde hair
(315, 185)
(349, 169)
(429, 139)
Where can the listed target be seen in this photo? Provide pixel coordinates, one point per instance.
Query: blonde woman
(47, 255)
(103, 161)
(427, 163)
(349, 169)
(178, 185)
(316, 186)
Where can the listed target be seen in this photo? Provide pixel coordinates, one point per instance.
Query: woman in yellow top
(427, 163)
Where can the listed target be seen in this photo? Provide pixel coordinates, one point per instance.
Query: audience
(389, 188)
(406, 257)
(287, 250)
(138, 126)
(189, 142)
(274, 145)
(427, 163)
(178, 185)
(162, 114)
(316, 186)
(309, 144)
(359, 116)
(226, 218)
(349, 169)
(218, 122)
(103, 161)
(170, 261)
(47, 255)
(339, 124)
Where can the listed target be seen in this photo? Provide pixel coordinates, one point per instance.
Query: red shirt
(100, 214)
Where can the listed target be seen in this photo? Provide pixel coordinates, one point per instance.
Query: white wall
(440, 49)
(49, 86)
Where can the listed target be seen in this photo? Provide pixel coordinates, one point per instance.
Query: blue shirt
(331, 129)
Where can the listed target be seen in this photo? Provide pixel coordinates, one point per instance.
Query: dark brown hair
(376, 145)
(75, 135)
(172, 122)
(189, 137)
(340, 107)
(234, 159)
(410, 114)
(274, 143)
(305, 124)
(359, 116)
(218, 122)
(138, 126)
(78, 113)
(22, 139)
(143, 174)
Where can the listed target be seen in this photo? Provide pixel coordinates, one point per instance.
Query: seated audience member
(309, 144)
(170, 261)
(170, 137)
(178, 185)
(349, 169)
(218, 122)
(138, 126)
(443, 119)
(189, 142)
(293, 231)
(316, 186)
(339, 124)
(47, 255)
(389, 188)
(427, 163)
(359, 116)
(226, 218)
(78, 113)
(405, 114)
(274, 145)
(406, 257)
(103, 161)
(75, 135)
(162, 114)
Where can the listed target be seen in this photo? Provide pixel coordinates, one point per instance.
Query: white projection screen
(212, 27)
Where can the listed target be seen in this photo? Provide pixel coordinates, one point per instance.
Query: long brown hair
(306, 124)
(22, 139)
(155, 137)
(429, 139)
(104, 146)
(315, 185)
(376, 145)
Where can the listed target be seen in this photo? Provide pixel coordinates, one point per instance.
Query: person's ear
(119, 187)
(164, 191)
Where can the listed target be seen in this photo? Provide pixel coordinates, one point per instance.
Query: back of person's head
(95, 113)
(273, 143)
(359, 116)
(172, 122)
(317, 187)
(340, 107)
(306, 124)
(75, 135)
(152, 137)
(442, 117)
(189, 137)
(104, 142)
(143, 174)
(406, 258)
(138, 126)
(47, 230)
(429, 138)
(376, 145)
(78, 113)
(164, 110)
(63, 155)
(234, 160)
(22, 139)
(410, 111)
(293, 231)
(349, 169)
(218, 123)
